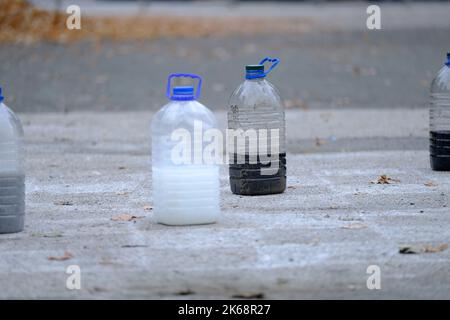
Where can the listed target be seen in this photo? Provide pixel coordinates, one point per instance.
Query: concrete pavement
(314, 241)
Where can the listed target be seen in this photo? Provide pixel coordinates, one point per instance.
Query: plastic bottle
(12, 173)
(440, 119)
(184, 192)
(256, 106)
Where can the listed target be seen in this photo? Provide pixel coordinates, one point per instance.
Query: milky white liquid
(185, 195)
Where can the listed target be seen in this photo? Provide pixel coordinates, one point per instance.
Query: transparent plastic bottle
(12, 173)
(440, 119)
(255, 107)
(185, 186)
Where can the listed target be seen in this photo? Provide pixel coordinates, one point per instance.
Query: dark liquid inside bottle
(12, 203)
(440, 150)
(250, 178)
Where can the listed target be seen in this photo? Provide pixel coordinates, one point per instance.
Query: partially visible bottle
(12, 173)
(185, 184)
(440, 119)
(256, 137)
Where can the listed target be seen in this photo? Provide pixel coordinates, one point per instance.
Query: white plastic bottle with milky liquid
(185, 188)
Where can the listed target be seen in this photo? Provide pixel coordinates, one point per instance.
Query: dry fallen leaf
(122, 193)
(430, 184)
(47, 235)
(320, 142)
(124, 217)
(148, 208)
(354, 226)
(255, 295)
(384, 179)
(185, 292)
(67, 255)
(412, 249)
(63, 203)
(438, 248)
(134, 246)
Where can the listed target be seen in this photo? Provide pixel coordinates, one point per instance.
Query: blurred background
(120, 58)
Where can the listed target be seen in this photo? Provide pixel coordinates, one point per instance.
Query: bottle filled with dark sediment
(256, 134)
(440, 119)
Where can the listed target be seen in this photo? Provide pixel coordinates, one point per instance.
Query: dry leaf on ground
(187, 292)
(255, 295)
(66, 256)
(412, 249)
(134, 246)
(148, 208)
(384, 179)
(438, 248)
(320, 142)
(63, 203)
(124, 217)
(354, 226)
(430, 184)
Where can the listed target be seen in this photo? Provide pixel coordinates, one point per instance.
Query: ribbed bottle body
(12, 173)
(185, 186)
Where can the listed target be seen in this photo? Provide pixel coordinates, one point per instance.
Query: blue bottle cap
(1, 97)
(254, 71)
(184, 93)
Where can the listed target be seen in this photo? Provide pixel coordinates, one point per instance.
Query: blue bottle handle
(184, 75)
(274, 61)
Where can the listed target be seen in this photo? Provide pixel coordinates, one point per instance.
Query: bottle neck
(256, 79)
(182, 98)
(255, 73)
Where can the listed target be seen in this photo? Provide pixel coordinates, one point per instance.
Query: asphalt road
(327, 67)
